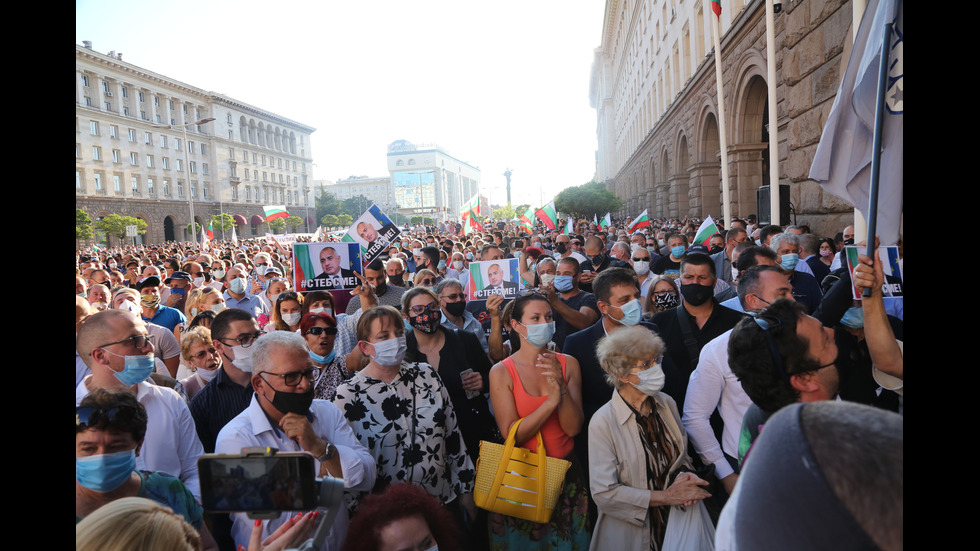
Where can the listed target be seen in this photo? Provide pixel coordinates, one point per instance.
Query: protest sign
(373, 231)
(494, 277)
(326, 266)
(889, 264)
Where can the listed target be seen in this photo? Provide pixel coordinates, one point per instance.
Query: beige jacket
(618, 472)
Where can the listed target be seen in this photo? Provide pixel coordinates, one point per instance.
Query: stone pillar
(746, 175)
(705, 195)
(679, 201)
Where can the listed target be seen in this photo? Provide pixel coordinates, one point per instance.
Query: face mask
(456, 309)
(198, 281)
(100, 306)
(273, 297)
(457, 265)
(261, 269)
(853, 318)
(789, 262)
(80, 295)
(539, 334)
(641, 267)
(666, 302)
(136, 368)
(106, 472)
(758, 243)
(207, 374)
(237, 285)
(427, 323)
(651, 380)
(635, 247)
(469, 256)
(631, 313)
(564, 283)
(150, 301)
(390, 352)
(442, 264)
(397, 280)
(695, 294)
(129, 306)
(536, 244)
(652, 251)
(715, 250)
(323, 359)
(825, 254)
(218, 307)
(292, 319)
(597, 260)
(322, 310)
(417, 252)
(734, 273)
(112, 265)
(292, 402)
(218, 274)
(243, 358)
(561, 248)
(547, 279)
(678, 251)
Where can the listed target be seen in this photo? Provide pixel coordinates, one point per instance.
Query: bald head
(101, 328)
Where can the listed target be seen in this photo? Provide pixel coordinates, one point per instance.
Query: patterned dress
(409, 427)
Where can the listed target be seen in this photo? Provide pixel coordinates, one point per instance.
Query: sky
(499, 85)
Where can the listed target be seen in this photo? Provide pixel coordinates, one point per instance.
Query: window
(204, 168)
(105, 86)
(116, 183)
(248, 194)
(205, 189)
(147, 138)
(255, 158)
(229, 118)
(194, 190)
(204, 150)
(163, 141)
(149, 161)
(231, 153)
(78, 180)
(149, 186)
(280, 178)
(193, 167)
(166, 163)
(84, 80)
(134, 158)
(96, 153)
(143, 115)
(141, 97)
(125, 92)
(159, 119)
(94, 127)
(115, 156)
(180, 188)
(231, 135)
(171, 104)
(190, 145)
(245, 156)
(88, 101)
(98, 181)
(280, 163)
(126, 111)
(177, 144)
(156, 101)
(180, 165)
(114, 132)
(234, 193)
(135, 182)
(265, 176)
(246, 174)
(263, 160)
(166, 188)
(108, 106)
(132, 135)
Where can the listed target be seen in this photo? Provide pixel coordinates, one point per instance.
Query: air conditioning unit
(108, 94)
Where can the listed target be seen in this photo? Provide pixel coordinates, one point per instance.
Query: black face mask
(293, 402)
(597, 260)
(397, 280)
(561, 248)
(456, 309)
(427, 322)
(381, 288)
(695, 294)
(715, 249)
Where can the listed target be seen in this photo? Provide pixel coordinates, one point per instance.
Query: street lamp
(187, 167)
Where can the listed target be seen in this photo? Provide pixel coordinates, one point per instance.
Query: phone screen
(281, 482)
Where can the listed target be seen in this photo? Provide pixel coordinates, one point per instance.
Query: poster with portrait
(495, 277)
(373, 231)
(326, 266)
(890, 265)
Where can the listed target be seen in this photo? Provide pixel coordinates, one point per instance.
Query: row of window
(286, 197)
(95, 129)
(117, 187)
(124, 90)
(272, 161)
(134, 160)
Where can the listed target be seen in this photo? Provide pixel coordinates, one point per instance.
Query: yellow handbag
(517, 482)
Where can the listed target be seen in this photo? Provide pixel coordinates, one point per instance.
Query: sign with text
(326, 266)
(373, 231)
(889, 264)
(494, 277)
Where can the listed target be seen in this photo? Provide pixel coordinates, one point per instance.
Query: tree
(222, 221)
(327, 203)
(355, 206)
(294, 222)
(330, 221)
(277, 224)
(345, 220)
(587, 199)
(115, 225)
(505, 213)
(83, 225)
(197, 229)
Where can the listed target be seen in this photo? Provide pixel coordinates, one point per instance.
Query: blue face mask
(323, 359)
(853, 318)
(539, 334)
(789, 262)
(564, 283)
(137, 368)
(442, 264)
(678, 251)
(631, 313)
(237, 285)
(106, 472)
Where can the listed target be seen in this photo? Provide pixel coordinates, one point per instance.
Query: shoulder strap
(690, 342)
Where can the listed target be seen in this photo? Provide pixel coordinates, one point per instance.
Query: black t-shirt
(562, 327)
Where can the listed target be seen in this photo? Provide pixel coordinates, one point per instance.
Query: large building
(654, 90)
(429, 181)
(377, 190)
(128, 163)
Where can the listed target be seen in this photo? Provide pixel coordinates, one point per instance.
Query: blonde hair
(194, 335)
(621, 350)
(135, 523)
(194, 298)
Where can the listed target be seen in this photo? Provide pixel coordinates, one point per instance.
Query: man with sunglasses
(282, 414)
(388, 295)
(118, 350)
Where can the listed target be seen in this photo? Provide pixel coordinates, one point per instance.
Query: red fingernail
(316, 514)
(258, 523)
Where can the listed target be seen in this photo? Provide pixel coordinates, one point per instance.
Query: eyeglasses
(665, 293)
(200, 355)
(427, 282)
(423, 308)
(245, 341)
(90, 416)
(641, 259)
(293, 378)
(319, 330)
(453, 298)
(138, 341)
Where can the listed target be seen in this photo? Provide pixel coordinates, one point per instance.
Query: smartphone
(279, 482)
(469, 393)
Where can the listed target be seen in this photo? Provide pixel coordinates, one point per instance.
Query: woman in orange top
(543, 390)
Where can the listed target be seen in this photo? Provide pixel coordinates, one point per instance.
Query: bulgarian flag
(705, 231)
(471, 206)
(641, 221)
(716, 7)
(548, 215)
(527, 220)
(606, 221)
(569, 226)
(470, 223)
(210, 232)
(275, 211)
(595, 219)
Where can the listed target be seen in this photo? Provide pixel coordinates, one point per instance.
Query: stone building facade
(654, 90)
(126, 164)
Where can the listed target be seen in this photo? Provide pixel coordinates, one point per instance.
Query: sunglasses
(421, 309)
(320, 330)
(90, 416)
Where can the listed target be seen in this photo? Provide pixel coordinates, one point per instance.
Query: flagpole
(773, 123)
(726, 200)
(857, 15)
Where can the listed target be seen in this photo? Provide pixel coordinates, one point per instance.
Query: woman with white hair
(638, 463)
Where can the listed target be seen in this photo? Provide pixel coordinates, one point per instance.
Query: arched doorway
(169, 233)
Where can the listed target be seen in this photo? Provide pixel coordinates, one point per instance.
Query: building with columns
(429, 181)
(654, 90)
(128, 163)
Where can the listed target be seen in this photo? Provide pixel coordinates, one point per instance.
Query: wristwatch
(328, 454)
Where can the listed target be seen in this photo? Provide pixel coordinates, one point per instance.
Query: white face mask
(243, 358)
(651, 380)
(199, 281)
(641, 267)
(457, 265)
(292, 319)
(390, 352)
(734, 273)
(322, 310)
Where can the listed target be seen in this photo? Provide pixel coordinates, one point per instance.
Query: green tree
(586, 200)
(327, 203)
(505, 213)
(222, 221)
(355, 206)
(345, 220)
(83, 225)
(277, 224)
(115, 225)
(294, 222)
(197, 230)
(330, 221)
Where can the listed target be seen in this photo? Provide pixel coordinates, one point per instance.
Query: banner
(373, 231)
(494, 277)
(889, 264)
(326, 266)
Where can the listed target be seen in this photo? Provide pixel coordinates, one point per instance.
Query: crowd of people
(653, 364)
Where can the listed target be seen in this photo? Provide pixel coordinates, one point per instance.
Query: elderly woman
(403, 414)
(109, 431)
(320, 332)
(638, 463)
(198, 352)
(426, 278)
